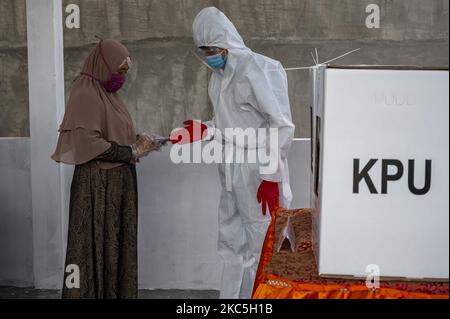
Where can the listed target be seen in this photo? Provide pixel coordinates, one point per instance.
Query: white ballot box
(380, 172)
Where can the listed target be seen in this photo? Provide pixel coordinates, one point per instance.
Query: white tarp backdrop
(178, 211)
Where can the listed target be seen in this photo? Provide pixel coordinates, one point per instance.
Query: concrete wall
(14, 119)
(167, 84)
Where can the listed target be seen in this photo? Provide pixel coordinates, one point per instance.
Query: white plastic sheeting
(16, 236)
(177, 219)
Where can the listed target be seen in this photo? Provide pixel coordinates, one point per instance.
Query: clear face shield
(205, 54)
(128, 61)
(126, 65)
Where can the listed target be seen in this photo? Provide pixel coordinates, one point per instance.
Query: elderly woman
(97, 135)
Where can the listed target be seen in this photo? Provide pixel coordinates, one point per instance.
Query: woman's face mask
(116, 80)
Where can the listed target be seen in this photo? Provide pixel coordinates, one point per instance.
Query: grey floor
(30, 293)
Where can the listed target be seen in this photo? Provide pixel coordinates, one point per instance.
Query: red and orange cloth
(272, 286)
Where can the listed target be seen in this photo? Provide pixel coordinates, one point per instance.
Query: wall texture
(168, 85)
(13, 69)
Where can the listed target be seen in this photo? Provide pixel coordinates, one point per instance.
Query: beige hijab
(94, 117)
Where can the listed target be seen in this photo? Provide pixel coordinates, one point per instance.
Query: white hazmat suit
(250, 92)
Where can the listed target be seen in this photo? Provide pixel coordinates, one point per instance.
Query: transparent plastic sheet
(157, 140)
(287, 233)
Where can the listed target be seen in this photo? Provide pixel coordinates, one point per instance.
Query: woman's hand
(144, 146)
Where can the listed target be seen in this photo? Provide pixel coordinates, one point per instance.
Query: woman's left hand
(145, 145)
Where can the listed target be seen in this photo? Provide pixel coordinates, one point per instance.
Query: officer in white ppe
(247, 90)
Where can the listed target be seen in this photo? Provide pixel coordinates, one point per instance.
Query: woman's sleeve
(116, 154)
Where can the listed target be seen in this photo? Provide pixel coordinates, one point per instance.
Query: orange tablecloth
(272, 286)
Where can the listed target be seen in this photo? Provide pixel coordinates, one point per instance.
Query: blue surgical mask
(217, 61)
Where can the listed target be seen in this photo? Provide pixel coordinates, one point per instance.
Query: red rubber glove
(268, 194)
(186, 135)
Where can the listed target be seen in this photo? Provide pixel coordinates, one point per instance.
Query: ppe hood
(212, 28)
